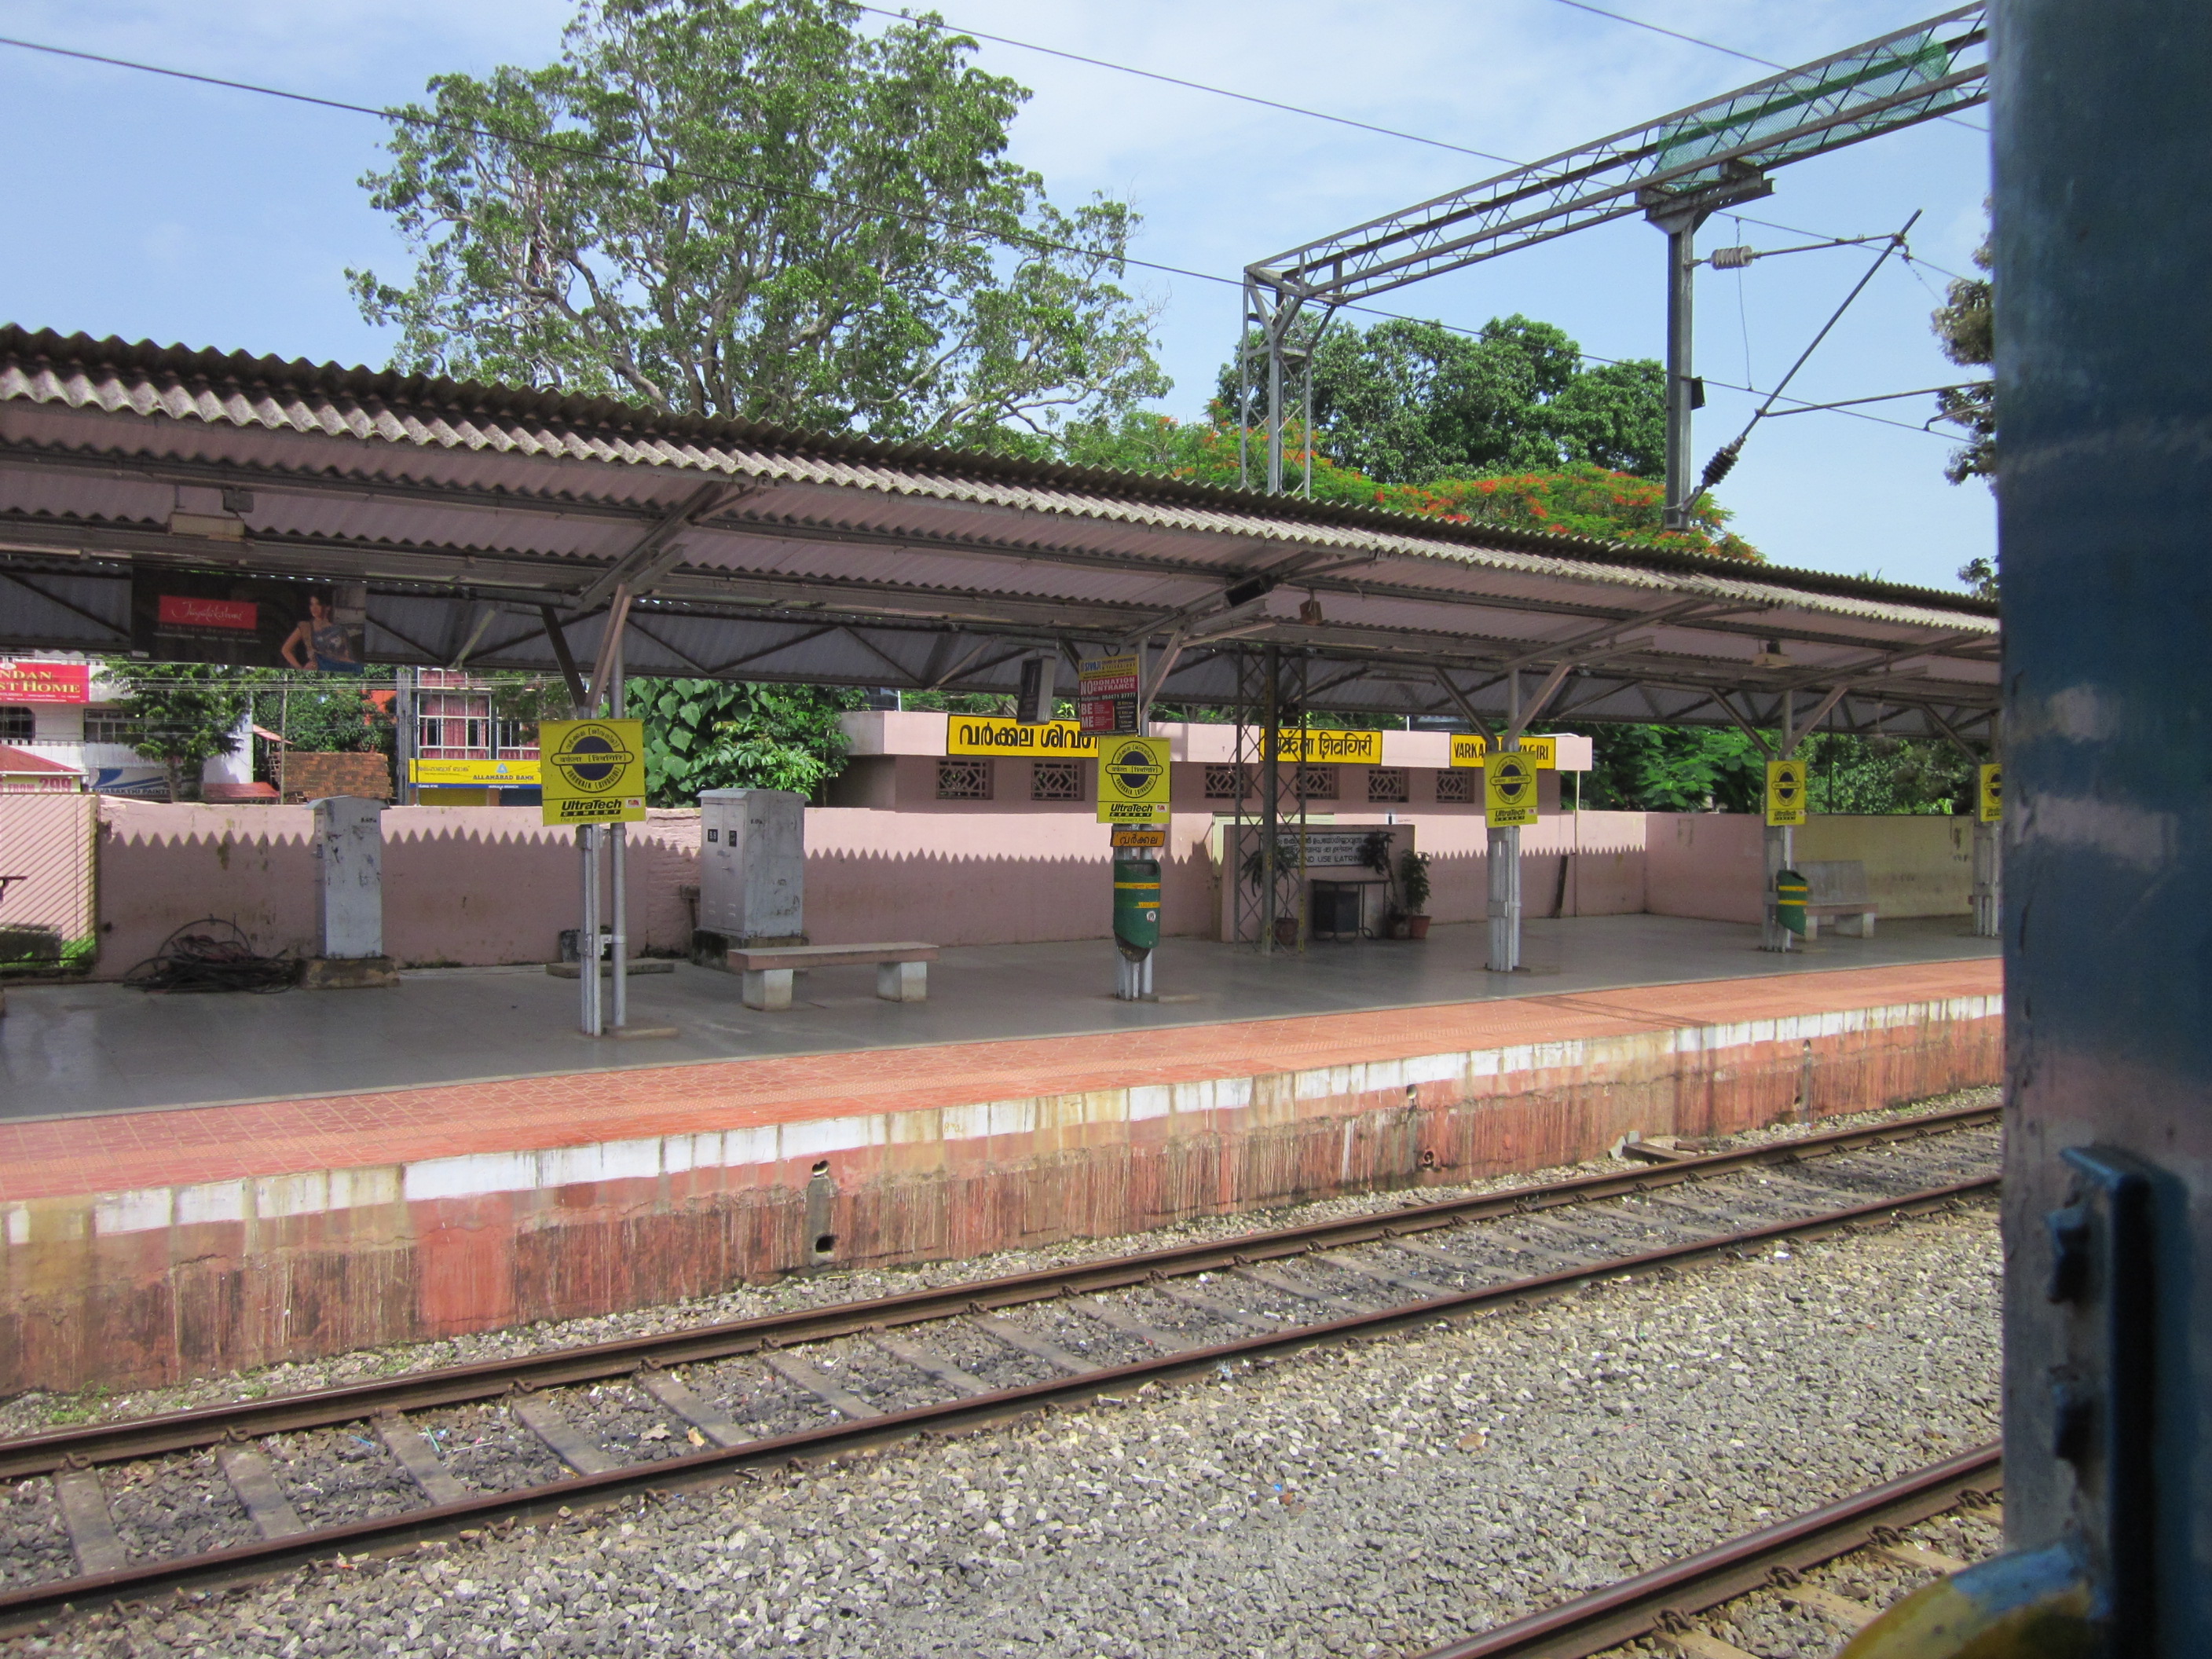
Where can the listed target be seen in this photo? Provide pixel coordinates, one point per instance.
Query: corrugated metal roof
(459, 494)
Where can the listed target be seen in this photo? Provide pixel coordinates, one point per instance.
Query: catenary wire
(675, 170)
(1199, 85)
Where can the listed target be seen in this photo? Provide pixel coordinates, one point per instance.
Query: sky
(151, 208)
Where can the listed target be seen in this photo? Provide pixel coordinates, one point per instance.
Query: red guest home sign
(45, 682)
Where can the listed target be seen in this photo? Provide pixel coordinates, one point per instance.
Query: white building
(58, 708)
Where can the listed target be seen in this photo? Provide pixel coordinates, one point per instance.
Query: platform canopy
(483, 519)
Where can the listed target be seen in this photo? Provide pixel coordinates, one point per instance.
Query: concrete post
(349, 840)
(1989, 880)
(1504, 900)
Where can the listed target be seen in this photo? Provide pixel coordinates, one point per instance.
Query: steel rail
(1640, 1606)
(30, 1607)
(104, 1443)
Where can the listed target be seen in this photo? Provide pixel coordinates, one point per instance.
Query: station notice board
(591, 771)
(1785, 793)
(1132, 780)
(1508, 789)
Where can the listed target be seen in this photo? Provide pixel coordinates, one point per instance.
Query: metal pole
(1682, 268)
(587, 931)
(1270, 781)
(1780, 846)
(1275, 403)
(618, 841)
(1505, 850)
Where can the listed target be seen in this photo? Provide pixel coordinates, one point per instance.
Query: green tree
(1673, 769)
(323, 715)
(186, 714)
(1409, 402)
(755, 209)
(1964, 324)
(1581, 498)
(729, 734)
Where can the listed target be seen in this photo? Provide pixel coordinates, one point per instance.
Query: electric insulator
(1733, 258)
(1723, 463)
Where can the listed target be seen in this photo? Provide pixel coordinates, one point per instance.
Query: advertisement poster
(246, 621)
(1106, 695)
(45, 682)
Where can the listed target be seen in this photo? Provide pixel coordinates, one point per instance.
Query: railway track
(1669, 1604)
(230, 1493)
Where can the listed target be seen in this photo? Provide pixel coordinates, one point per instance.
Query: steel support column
(2102, 338)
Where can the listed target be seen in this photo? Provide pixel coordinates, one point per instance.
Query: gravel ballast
(1369, 1500)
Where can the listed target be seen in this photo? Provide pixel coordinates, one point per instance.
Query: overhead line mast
(1677, 171)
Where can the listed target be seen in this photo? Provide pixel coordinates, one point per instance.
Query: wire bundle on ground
(212, 954)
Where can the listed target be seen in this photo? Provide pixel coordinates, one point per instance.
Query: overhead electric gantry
(1677, 172)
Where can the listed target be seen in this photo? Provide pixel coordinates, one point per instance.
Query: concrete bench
(1838, 888)
(902, 970)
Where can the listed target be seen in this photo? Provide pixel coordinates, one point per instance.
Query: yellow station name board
(1991, 778)
(474, 773)
(1467, 749)
(592, 771)
(996, 734)
(1324, 747)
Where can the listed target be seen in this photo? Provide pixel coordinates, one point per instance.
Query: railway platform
(349, 1188)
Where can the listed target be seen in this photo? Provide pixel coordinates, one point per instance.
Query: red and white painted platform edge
(271, 1159)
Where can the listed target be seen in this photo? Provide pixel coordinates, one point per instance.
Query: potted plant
(1255, 871)
(1374, 855)
(1413, 883)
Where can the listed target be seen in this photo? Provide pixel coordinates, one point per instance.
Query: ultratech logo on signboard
(995, 734)
(1508, 789)
(591, 771)
(1785, 792)
(1467, 749)
(1991, 779)
(1132, 780)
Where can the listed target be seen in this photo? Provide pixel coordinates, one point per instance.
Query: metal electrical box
(752, 866)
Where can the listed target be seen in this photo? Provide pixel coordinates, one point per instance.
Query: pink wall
(465, 884)
(46, 839)
(1711, 865)
(479, 885)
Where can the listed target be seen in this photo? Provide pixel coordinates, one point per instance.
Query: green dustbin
(1790, 891)
(1136, 905)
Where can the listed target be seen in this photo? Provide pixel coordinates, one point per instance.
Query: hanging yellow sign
(1992, 792)
(1785, 792)
(1132, 780)
(1326, 747)
(1508, 789)
(1467, 749)
(591, 771)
